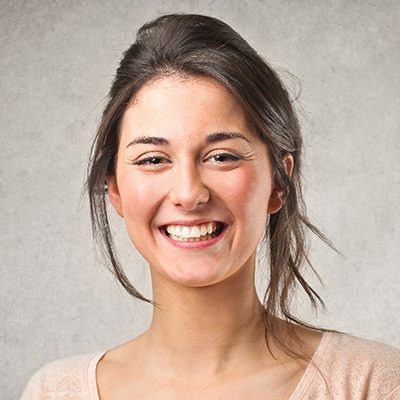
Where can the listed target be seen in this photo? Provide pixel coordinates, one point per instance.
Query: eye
(152, 161)
(224, 158)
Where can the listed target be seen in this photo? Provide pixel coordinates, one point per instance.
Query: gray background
(57, 62)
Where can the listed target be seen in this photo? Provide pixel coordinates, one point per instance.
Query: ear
(277, 197)
(113, 194)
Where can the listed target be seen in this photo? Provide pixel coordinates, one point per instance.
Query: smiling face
(193, 181)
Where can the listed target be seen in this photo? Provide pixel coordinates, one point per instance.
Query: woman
(200, 150)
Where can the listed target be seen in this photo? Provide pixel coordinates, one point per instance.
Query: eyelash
(147, 160)
(231, 157)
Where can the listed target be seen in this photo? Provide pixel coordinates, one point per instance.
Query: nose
(188, 189)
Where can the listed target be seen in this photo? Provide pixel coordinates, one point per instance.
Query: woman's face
(193, 182)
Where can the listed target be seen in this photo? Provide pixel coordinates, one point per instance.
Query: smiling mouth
(198, 233)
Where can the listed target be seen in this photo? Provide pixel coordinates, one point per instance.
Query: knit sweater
(349, 368)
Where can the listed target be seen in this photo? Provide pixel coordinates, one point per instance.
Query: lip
(194, 245)
(191, 223)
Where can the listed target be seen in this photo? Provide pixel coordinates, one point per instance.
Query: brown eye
(224, 157)
(151, 161)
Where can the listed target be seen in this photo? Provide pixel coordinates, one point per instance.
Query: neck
(207, 330)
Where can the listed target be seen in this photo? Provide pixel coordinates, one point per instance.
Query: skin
(206, 338)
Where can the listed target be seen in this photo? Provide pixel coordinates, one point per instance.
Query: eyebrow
(212, 138)
(157, 141)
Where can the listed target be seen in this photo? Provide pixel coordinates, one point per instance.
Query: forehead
(199, 87)
(174, 106)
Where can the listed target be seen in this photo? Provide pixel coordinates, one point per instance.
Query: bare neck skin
(202, 343)
(209, 332)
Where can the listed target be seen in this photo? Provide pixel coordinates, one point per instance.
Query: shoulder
(67, 376)
(360, 365)
(375, 355)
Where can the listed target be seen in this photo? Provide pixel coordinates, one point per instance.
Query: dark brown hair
(197, 45)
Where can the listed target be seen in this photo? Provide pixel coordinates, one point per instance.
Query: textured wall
(57, 61)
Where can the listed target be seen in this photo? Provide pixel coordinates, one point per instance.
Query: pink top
(354, 369)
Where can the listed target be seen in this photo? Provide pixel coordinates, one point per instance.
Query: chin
(195, 277)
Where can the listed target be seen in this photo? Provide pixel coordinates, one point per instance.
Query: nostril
(190, 195)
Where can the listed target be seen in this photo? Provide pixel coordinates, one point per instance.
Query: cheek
(139, 196)
(248, 189)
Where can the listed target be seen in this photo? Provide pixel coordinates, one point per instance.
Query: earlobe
(113, 194)
(277, 198)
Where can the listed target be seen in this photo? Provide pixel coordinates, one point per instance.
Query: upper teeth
(194, 231)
